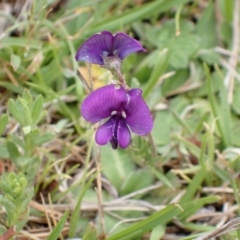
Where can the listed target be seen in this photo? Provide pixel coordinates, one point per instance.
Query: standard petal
(95, 47)
(126, 45)
(138, 116)
(123, 134)
(104, 133)
(102, 102)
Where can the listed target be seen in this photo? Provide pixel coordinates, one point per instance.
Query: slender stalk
(122, 80)
(154, 150)
(8, 234)
(89, 67)
(83, 80)
(177, 21)
(99, 193)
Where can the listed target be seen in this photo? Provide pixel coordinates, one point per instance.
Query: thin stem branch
(8, 234)
(83, 80)
(89, 67)
(177, 21)
(122, 80)
(227, 228)
(99, 192)
(230, 68)
(226, 52)
(154, 150)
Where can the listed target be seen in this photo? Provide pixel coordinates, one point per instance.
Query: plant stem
(99, 193)
(8, 234)
(154, 150)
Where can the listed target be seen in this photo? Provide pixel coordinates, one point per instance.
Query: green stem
(177, 21)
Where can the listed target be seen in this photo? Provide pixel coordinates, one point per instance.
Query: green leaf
(84, 187)
(193, 206)
(213, 103)
(17, 140)
(3, 151)
(197, 227)
(210, 57)
(182, 48)
(27, 97)
(13, 150)
(90, 233)
(59, 227)
(227, 7)
(11, 87)
(162, 36)
(134, 14)
(140, 228)
(116, 165)
(37, 109)
(196, 151)
(20, 42)
(43, 138)
(165, 121)
(13, 108)
(75, 216)
(161, 61)
(162, 177)
(236, 98)
(206, 28)
(194, 186)
(8, 204)
(3, 123)
(26, 112)
(157, 233)
(15, 61)
(137, 180)
(225, 110)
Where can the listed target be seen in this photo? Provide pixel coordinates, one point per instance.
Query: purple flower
(102, 45)
(124, 110)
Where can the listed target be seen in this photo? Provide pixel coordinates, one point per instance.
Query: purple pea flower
(124, 110)
(102, 46)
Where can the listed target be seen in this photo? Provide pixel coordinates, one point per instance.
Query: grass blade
(58, 229)
(148, 224)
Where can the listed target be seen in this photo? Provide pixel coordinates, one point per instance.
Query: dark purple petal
(95, 47)
(138, 116)
(125, 45)
(114, 143)
(102, 102)
(104, 133)
(123, 134)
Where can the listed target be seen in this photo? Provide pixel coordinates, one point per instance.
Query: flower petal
(138, 116)
(114, 143)
(126, 45)
(95, 47)
(102, 102)
(104, 133)
(123, 134)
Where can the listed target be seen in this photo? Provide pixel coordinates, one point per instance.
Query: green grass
(186, 189)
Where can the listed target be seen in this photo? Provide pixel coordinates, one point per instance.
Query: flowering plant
(123, 107)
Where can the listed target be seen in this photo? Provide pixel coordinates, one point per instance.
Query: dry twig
(227, 228)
